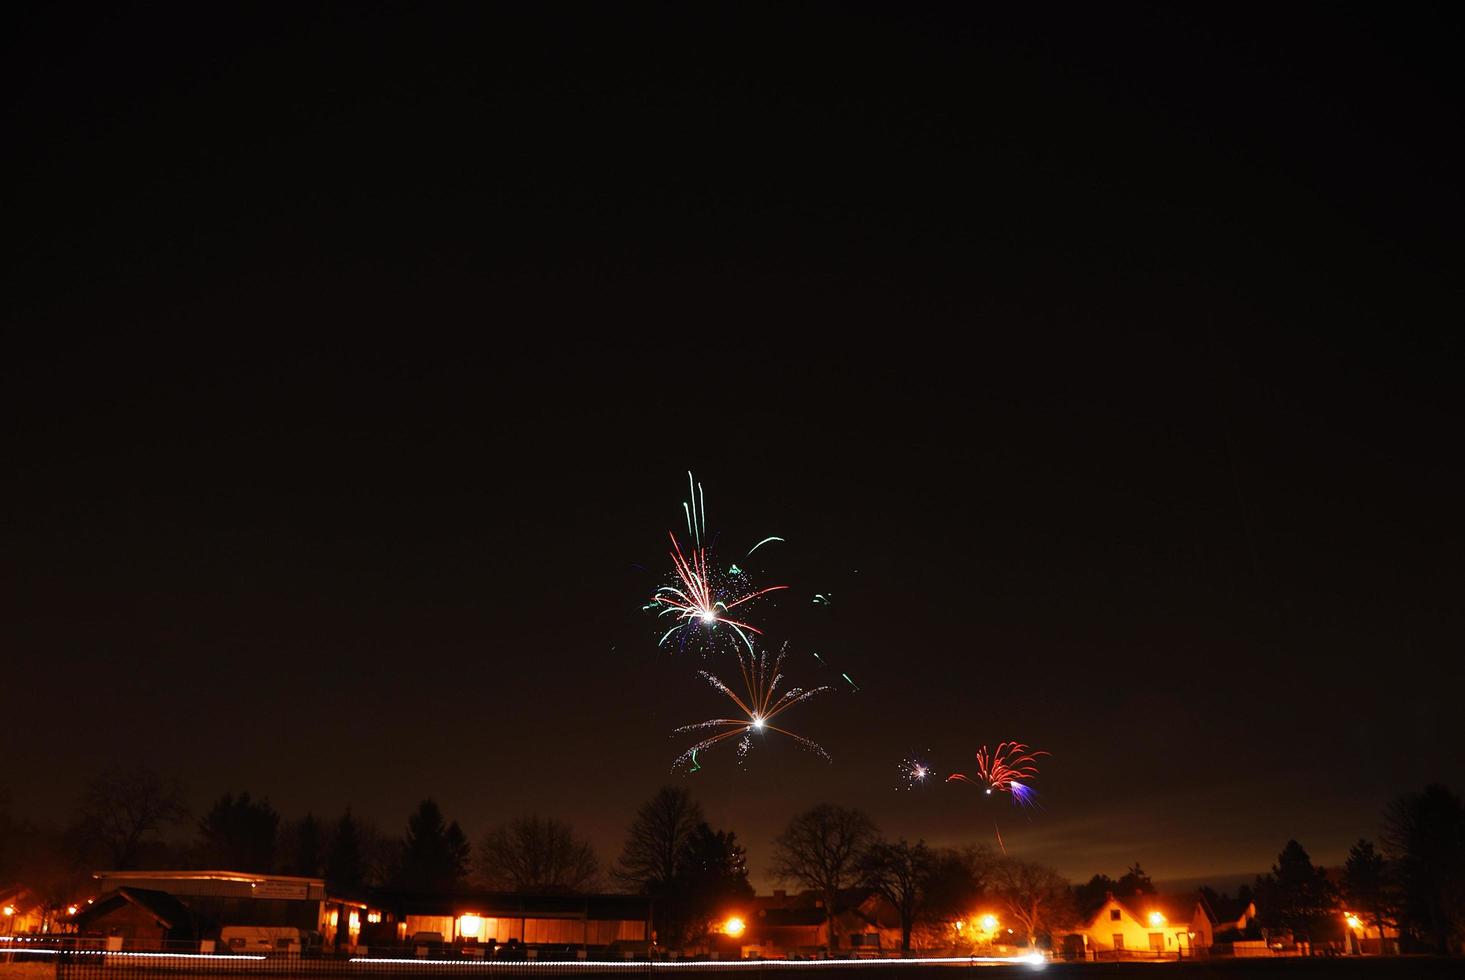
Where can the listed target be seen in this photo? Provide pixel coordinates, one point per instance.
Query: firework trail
(697, 600)
(854, 688)
(1006, 769)
(760, 706)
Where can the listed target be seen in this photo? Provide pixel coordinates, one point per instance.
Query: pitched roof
(165, 908)
(798, 916)
(1175, 908)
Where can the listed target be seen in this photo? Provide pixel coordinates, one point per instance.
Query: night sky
(1104, 369)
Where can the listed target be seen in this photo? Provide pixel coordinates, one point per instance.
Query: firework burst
(915, 771)
(760, 706)
(703, 598)
(1006, 769)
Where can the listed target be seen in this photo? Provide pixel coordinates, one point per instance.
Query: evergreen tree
(1369, 889)
(1425, 834)
(434, 853)
(302, 847)
(1296, 895)
(712, 873)
(345, 861)
(1134, 882)
(239, 834)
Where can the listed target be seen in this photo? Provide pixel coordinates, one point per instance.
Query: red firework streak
(1006, 769)
(694, 603)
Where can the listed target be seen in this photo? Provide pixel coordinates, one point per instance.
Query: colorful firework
(761, 705)
(1005, 769)
(915, 771)
(702, 597)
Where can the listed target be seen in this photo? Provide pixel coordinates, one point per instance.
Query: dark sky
(1103, 367)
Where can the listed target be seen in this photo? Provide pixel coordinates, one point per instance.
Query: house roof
(799, 916)
(217, 875)
(514, 904)
(17, 895)
(165, 908)
(1175, 908)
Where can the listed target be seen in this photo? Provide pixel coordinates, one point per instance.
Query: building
(1148, 925)
(143, 918)
(22, 912)
(606, 923)
(783, 925)
(152, 907)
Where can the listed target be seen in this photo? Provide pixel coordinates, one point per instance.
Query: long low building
(585, 921)
(146, 907)
(150, 908)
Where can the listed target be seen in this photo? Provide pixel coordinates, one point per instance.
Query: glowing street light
(1156, 919)
(734, 927)
(989, 923)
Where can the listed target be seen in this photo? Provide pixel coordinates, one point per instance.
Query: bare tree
(537, 854)
(820, 850)
(901, 875)
(653, 850)
(122, 809)
(1035, 897)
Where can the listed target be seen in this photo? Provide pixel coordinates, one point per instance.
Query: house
(1365, 937)
(22, 912)
(1148, 925)
(783, 925)
(144, 918)
(1234, 918)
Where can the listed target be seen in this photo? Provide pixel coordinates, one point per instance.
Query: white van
(262, 939)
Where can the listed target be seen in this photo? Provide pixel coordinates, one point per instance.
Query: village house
(1147, 925)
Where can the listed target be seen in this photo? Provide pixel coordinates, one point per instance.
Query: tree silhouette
(434, 857)
(712, 873)
(1425, 834)
(537, 854)
(1295, 896)
(900, 874)
(239, 834)
(122, 811)
(1369, 888)
(1134, 882)
(1089, 897)
(1035, 897)
(654, 844)
(652, 856)
(301, 847)
(820, 849)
